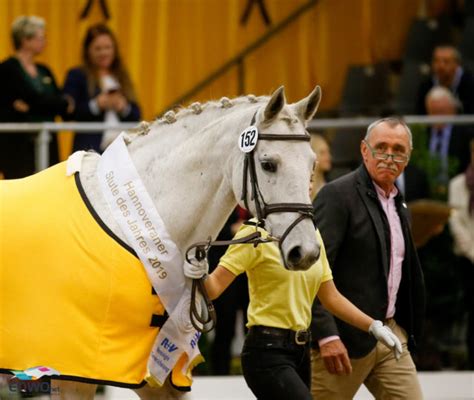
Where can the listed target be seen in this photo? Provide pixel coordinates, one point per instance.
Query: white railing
(364, 122)
(45, 129)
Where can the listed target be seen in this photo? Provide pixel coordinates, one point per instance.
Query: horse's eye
(269, 166)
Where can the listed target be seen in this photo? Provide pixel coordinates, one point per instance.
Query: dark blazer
(416, 183)
(17, 149)
(76, 85)
(464, 92)
(43, 106)
(357, 238)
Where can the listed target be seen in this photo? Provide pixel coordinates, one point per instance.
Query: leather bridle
(263, 209)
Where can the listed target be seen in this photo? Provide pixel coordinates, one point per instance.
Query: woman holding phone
(101, 88)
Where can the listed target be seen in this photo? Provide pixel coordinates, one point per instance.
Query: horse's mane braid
(196, 112)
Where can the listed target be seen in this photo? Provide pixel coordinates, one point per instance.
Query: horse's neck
(191, 187)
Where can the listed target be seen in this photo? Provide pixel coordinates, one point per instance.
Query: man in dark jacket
(448, 72)
(363, 220)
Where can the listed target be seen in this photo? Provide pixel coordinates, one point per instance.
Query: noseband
(262, 208)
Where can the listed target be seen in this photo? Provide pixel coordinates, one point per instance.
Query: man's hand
(335, 357)
(197, 269)
(385, 335)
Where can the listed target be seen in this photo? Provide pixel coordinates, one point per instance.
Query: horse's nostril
(294, 256)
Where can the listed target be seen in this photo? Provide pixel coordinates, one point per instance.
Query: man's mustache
(391, 167)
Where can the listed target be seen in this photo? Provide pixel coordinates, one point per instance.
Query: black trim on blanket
(88, 380)
(179, 388)
(97, 218)
(157, 321)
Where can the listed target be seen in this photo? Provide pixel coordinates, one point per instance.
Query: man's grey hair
(392, 122)
(456, 53)
(439, 93)
(25, 27)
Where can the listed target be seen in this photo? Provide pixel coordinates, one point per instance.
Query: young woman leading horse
(94, 317)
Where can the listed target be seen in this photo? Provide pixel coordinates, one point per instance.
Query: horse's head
(277, 177)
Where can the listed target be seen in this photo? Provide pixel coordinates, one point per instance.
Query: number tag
(248, 139)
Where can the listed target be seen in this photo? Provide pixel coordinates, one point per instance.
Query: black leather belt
(288, 336)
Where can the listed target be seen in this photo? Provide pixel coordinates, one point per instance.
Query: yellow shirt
(278, 298)
(71, 296)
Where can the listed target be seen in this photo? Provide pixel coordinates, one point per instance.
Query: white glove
(385, 335)
(197, 269)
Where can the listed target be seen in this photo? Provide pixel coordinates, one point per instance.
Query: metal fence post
(42, 150)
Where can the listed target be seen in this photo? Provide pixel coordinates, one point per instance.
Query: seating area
(391, 87)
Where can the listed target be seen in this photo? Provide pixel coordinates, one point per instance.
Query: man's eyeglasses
(398, 158)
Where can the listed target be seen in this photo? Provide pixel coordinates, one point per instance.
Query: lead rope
(201, 320)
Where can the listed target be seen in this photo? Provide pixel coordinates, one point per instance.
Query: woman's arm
(342, 308)
(76, 86)
(218, 281)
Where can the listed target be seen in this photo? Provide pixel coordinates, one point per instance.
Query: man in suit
(448, 73)
(446, 140)
(363, 220)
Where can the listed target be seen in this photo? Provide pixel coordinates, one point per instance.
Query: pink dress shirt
(397, 246)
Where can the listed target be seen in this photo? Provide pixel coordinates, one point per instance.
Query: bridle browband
(263, 209)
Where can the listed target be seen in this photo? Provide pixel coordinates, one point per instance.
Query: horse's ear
(276, 104)
(307, 107)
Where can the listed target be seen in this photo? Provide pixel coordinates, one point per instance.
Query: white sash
(134, 211)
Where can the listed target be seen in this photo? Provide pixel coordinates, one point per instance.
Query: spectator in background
(461, 198)
(448, 72)
(324, 163)
(447, 145)
(28, 94)
(101, 88)
(363, 220)
(446, 140)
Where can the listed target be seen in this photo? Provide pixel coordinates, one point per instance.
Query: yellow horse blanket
(73, 297)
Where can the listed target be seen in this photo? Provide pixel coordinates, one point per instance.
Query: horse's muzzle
(298, 260)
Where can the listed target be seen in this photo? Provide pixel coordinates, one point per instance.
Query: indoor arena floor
(436, 386)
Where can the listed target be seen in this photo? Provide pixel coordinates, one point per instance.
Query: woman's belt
(285, 336)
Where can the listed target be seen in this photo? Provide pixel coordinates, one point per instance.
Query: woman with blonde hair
(29, 94)
(101, 87)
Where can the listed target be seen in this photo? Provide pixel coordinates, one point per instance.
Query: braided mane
(192, 119)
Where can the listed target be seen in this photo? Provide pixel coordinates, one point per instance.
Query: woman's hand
(71, 104)
(118, 102)
(103, 101)
(197, 269)
(385, 335)
(21, 106)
